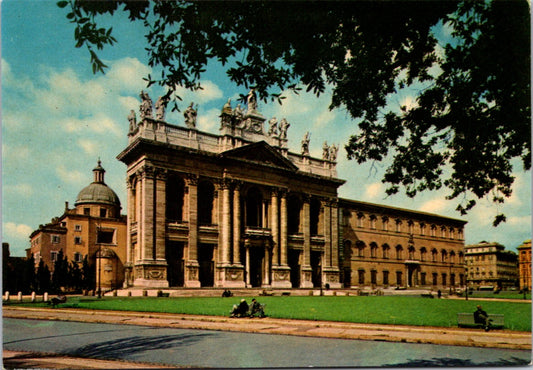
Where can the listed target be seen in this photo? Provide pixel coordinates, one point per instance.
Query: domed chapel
(239, 209)
(94, 228)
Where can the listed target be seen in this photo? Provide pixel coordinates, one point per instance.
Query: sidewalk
(393, 333)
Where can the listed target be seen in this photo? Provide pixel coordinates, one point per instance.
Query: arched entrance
(175, 269)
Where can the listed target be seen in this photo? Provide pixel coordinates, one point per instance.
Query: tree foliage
(472, 115)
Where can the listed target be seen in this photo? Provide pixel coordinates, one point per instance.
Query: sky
(58, 119)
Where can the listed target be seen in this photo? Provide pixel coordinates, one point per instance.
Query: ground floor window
(423, 278)
(373, 277)
(361, 277)
(443, 279)
(399, 278)
(385, 278)
(435, 278)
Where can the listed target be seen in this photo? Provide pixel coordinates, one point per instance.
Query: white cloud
(70, 176)
(325, 118)
(127, 74)
(373, 190)
(23, 190)
(209, 121)
(520, 221)
(88, 146)
(434, 206)
(14, 231)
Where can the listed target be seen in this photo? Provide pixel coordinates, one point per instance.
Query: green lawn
(373, 309)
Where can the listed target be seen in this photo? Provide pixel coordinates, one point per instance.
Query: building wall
(490, 266)
(524, 261)
(387, 246)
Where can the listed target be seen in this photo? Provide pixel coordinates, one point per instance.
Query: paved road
(205, 348)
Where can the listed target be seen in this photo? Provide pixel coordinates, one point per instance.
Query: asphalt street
(209, 348)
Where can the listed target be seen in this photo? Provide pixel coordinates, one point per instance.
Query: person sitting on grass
(481, 317)
(241, 310)
(257, 308)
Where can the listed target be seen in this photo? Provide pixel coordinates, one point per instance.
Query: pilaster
(191, 265)
(306, 271)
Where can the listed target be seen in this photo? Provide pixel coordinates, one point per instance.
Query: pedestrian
(481, 317)
(439, 294)
(240, 310)
(257, 308)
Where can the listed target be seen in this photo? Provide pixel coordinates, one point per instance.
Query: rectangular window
(78, 257)
(398, 278)
(385, 278)
(77, 240)
(361, 277)
(77, 227)
(103, 212)
(423, 278)
(53, 256)
(105, 236)
(373, 277)
(435, 278)
(56, 239)
(87, 211)
(443, 279)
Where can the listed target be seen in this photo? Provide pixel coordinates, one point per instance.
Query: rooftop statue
(283, 127)
(305, 143)
(333, 150)
(190, 116)
(325, 151)
(238, 113)
(273, 130)
(133, 120)
(146, 105)
(160, 106)
(251, 101)
(227, 107)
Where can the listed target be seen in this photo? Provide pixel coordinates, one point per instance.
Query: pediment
(261, 153)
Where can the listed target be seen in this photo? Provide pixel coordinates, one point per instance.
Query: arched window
(444, 255)
(254, 208)
(452, 233)
(411, 253)
(434, 255)
(360, 219)
(294, 207)
(398, 225)
(399, 252)
(386, 249)
(385, 223)
(360, 249)
(452, 257)
(423, 253)
(422, 228)
(373, 250)
(411, 226)
(433, 230)
(373, 222)
(206, 195)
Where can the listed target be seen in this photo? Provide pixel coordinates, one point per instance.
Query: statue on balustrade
(160, 107)
(305, 143)
(283, 127)
(251, 101)
(273, 130)
(190, 116)
(146, 105)
(132, 120)
(333, 150)
(325, 151)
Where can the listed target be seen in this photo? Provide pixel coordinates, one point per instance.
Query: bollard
(20, 296)
(32, 297)
(6, 297)
(45, 297)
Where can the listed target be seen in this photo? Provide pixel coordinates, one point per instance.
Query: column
(131, 217)
(160, 215)
(147, 218)
(237, 224)
(283, 229)
(191, 276)
(335, 233)
(327, 231)
(226, 222)
(247, 265)
(305, 279)
(274, 226)
(266, 267)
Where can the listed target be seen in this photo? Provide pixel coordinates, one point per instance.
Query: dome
(98, 193)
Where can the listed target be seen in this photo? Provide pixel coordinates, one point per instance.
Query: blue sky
(58, 119)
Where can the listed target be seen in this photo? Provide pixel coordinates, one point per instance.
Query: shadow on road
(457, 362)
(123, 347)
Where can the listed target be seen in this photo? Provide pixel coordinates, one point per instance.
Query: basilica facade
(238, 209)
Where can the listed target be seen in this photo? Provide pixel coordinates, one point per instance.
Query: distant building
(524, 264)
(94, 229)
(238, 209)
(489, 265)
